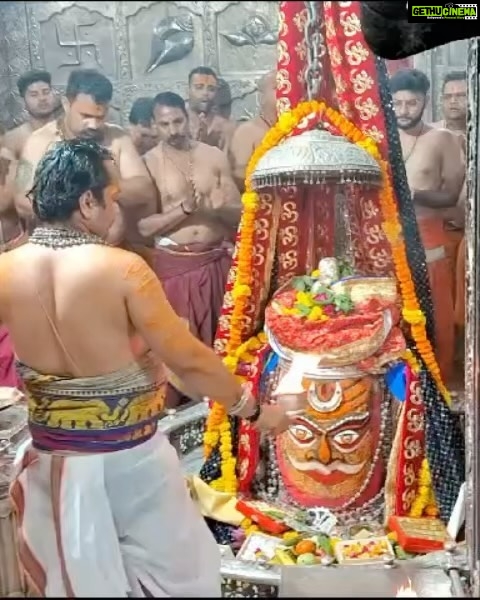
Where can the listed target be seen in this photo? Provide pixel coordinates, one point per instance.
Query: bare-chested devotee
(93, 330)
(86, 104)
(11, 236)
(198, 209)
(144, 136)
(249, 134)
(454, 110)
(206, 124)
(435, 172)
(41, 104)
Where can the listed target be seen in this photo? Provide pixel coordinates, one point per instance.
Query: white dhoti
(112, 525)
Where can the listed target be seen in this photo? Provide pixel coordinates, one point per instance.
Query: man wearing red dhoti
(435, 173)
(198, 211)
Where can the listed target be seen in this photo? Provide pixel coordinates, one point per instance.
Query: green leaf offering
(343, 303)
(299, 284)
(303, 309)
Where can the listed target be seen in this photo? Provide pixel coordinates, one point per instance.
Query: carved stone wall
(143, 47)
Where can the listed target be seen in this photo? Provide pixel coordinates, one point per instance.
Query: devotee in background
(140, 128)
(197, 214)
(454, 110)
(249, 134)
(86, 104)
(206, 124)
(41, 104)
(100, 334)
(454, 103)
(435, 173)
(10, 236)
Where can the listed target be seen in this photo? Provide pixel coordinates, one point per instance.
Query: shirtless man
(86, 102)
(11, 236)
(435, 172)
(92, 331)
(198, 208)
(143, 135)
(454, 109)
(206, 125)
(454, 103)
(249, 134)
(41, 104)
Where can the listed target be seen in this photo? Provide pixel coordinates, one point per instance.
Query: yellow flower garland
(218, 426)
(424, 503)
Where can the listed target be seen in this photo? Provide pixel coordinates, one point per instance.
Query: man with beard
(435, 173)
(206, 125)
(86, 103)
(41, 104)
(198, 208)
(249, 134)
(140, 127)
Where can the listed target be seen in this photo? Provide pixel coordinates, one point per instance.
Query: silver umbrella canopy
(315, 157)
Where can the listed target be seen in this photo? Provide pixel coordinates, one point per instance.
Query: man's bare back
(214, 188)
(86, 305)
(433, 163)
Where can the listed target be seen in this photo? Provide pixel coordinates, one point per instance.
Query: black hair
(171, 100)
(411, 80)
(64, 173)
(27, 79)
(90, 82)
(454, 76)
(141, 112)
(201, 71)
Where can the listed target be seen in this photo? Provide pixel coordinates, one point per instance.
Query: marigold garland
(424, 503)
(218, 426)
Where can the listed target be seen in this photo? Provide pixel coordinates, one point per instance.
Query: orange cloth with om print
(434, 239)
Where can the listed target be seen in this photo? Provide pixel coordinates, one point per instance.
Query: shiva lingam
(332, 327)
(333, 340)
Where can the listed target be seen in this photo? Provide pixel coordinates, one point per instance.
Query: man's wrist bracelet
(254, 418)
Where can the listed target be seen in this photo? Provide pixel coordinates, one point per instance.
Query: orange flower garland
(217, 422)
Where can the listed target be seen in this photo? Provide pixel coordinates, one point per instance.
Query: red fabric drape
(291, 55)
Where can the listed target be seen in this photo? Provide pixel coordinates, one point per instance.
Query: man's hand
(273, 419)
(146, 227)
(189, 203)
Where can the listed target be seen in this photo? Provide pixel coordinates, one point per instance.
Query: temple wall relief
(144, 47)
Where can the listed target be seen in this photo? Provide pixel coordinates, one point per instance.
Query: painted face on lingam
(330, 456)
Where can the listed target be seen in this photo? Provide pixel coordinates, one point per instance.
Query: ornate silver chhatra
(316, 157)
